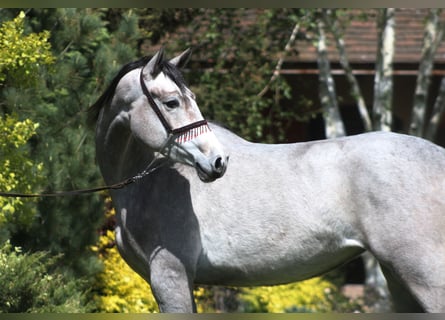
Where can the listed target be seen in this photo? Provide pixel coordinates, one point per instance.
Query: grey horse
(276, 214)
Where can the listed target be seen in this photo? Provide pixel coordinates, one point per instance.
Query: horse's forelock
(171, 71)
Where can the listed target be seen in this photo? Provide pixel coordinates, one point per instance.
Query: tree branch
(279, 65)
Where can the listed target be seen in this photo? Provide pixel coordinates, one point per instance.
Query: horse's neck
(119, 154)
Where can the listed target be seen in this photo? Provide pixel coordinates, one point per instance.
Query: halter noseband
(183, 134)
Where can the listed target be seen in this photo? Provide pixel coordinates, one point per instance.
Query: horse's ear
(152, 68)
(181, 60)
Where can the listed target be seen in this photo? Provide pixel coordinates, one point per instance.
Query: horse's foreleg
(171, 283)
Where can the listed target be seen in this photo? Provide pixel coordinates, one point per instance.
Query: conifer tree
(88, 51)
(30, 282)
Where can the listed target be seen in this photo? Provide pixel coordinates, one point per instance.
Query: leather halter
(178, 131)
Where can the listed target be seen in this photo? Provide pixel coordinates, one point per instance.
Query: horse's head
(164, 115)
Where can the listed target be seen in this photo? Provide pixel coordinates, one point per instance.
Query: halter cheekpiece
(183, 134)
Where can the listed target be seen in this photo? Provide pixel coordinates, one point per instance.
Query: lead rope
(148, 170)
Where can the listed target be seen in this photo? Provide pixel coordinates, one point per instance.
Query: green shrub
(18, 173)
(22, 55)
(32, 283)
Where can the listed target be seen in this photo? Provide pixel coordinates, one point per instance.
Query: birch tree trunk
(432, 37)
(334, 126)
(438, 111)
(383, 84)
(355, 87)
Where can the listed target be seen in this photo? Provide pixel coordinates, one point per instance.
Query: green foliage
(88, 54)
(157, 23)
(21, 59)
(19, 173)
(31, 283)
(242, 57)
(237, 52)
(22, 55)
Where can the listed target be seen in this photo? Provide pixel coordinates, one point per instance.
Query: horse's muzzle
(214, 170)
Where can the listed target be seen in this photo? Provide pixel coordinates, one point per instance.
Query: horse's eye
(174, 103)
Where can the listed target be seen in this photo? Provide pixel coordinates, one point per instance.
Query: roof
(361, 39)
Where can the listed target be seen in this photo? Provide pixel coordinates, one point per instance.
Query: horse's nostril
(219, 166)
(219, 163)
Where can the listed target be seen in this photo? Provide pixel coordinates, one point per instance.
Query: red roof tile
(361, 39)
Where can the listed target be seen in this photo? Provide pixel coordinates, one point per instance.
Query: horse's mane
(165, 66)
(105, 98)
